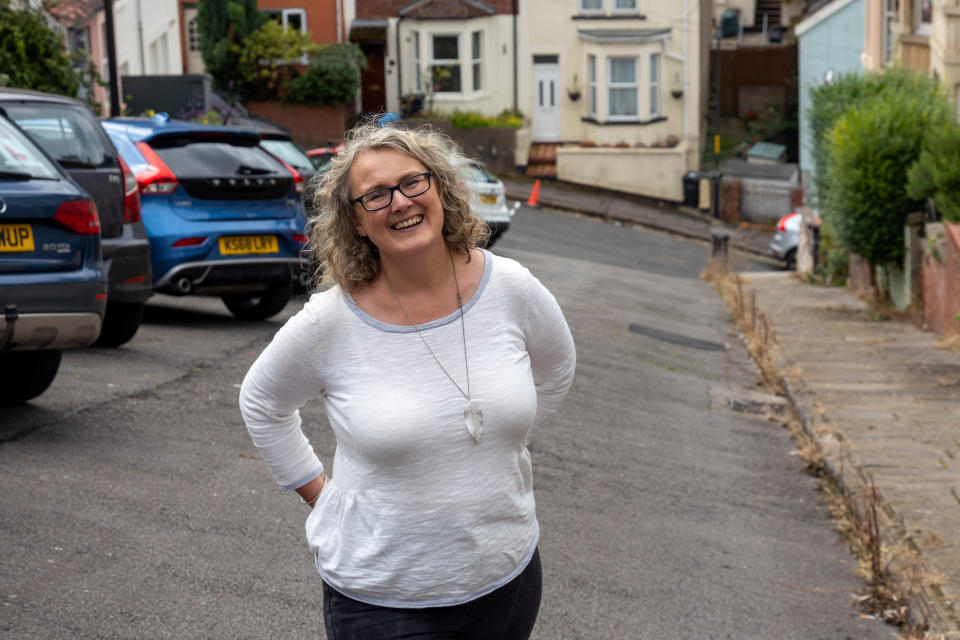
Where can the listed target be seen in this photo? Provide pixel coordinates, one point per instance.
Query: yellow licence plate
(16, 237)
(239, 245)
(488, 199)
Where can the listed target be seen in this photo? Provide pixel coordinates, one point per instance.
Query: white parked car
(492, 206)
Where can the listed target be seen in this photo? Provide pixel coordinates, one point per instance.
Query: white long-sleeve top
(415, 514)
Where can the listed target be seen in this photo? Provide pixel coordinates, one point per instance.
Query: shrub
(32, 56)
(871, 147)
(332, 76)
(936, 173)
(475, 119)
(266, 58)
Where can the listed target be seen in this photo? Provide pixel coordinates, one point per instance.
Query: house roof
(73, 13)
(369, 30)
(427, 9)
(819, 12)
(624, 35)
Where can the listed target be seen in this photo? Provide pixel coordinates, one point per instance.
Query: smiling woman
(434, 360)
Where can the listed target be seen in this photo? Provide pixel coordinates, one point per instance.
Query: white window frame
(476, 65)
(285, 18)
(193, 35)
(635, 86)
(654, 84)
(590, 10)
(592, 85)
(417, 63)
(632, 9)
(443, 62)
(922, 28)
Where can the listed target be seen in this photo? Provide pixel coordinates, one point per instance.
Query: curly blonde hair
(338, 254)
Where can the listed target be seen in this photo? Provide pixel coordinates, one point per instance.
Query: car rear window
(478, 174)
(68, 133)
(216, 157)
(18, 155)
(287, 151)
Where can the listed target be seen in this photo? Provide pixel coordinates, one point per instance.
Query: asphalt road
(134, 505)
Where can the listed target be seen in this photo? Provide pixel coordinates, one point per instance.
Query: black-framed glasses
(382, 197)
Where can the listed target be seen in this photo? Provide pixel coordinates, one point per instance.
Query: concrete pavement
(880, 396)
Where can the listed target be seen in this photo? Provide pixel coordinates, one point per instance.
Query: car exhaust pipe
(183, 285)
(304, 279)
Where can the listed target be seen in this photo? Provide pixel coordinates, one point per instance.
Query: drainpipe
(143, 65)
(399, 70)
(686, 58)
(112, 59)
(340, 37)
(515, 64)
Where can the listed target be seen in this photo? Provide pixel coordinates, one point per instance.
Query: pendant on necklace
(473, 417)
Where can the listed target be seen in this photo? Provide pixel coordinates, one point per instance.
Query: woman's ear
(356, 225)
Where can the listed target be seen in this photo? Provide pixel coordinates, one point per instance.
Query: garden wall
(652, 172)
(941, 278)
(310, 125)
(494, 146)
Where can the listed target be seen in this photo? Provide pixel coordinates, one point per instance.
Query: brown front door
(373, 81)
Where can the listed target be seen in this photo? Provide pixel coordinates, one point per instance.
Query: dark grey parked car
(69, 132)
(52, 285)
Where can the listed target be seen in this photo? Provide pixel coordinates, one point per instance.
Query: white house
(619, 87)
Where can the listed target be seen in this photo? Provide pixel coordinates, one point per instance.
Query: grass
(888, 562)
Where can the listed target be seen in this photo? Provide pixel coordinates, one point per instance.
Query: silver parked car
(785, 239)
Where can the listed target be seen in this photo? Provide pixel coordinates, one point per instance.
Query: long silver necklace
(472, 415)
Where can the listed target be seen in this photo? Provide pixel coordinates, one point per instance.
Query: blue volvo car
(224, 217)
(53, 285)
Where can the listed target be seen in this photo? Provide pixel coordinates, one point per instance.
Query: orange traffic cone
(533, 200)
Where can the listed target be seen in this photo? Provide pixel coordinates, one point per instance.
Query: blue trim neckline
(439, 322)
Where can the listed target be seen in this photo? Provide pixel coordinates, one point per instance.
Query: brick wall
(310, 126)
(941, 278)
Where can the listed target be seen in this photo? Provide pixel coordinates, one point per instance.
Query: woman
(435, 360)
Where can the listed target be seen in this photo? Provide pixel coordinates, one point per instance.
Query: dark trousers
(505, 614)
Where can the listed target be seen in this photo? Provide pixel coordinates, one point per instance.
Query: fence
(765, 200)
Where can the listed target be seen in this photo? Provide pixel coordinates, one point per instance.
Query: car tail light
(157, 177)
(782, 223)
(298, 184)
(189, 242)
(80, 216)
(300, 238)
(131, 194)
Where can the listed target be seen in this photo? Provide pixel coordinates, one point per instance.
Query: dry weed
(950, 343)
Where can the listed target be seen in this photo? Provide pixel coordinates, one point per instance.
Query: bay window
(445, 64)
(622, 89)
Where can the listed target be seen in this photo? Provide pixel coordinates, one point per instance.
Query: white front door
(546, 101)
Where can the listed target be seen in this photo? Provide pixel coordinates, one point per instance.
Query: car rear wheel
(259, 306)
(120, 324)
(26, 374)
(791, 260)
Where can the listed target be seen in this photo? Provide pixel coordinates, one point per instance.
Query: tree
(223, 26)
(266, 58)
(32, 55)
(871, 147)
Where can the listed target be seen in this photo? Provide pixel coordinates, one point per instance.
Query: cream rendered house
(924, 35)
(620, 86)
(148, 37)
